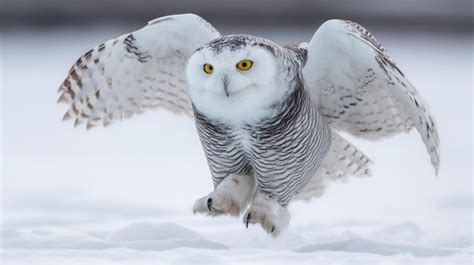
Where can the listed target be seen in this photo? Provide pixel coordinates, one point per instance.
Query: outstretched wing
(136, 71)
(359, 88)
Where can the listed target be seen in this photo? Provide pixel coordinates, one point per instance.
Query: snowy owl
(268, 116)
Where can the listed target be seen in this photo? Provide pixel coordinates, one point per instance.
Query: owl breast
(282, 151)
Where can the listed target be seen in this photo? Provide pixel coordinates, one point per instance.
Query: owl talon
(231, 196)
(209, 204)
(268, 213)
(247, 220)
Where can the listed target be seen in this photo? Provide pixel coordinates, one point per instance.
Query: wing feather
(360, 90)
(342, 161)
(141, 70)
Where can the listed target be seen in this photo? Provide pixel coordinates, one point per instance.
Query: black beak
(226, 82)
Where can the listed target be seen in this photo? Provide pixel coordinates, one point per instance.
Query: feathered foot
(266, 211)
(231, 196)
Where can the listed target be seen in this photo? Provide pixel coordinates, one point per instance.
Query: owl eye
(208, 69)
(244, 65)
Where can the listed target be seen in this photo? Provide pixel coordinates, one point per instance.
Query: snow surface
(123, 194)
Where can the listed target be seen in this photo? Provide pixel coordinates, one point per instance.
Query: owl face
(234, 83)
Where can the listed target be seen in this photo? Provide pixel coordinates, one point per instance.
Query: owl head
(237, 78)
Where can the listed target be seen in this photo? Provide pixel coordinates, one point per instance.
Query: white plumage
(351, 80)
(360, 89)
(132, 73)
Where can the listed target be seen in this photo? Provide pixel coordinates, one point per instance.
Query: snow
(123, 194)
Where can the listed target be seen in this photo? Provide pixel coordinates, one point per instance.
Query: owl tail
(342, 161)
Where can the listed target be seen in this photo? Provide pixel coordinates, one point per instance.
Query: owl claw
(268, 213)
(209, 204)
(215, 204)
(231, 197)
(247, 220)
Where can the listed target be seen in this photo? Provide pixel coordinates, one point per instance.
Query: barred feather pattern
(360, 89)
(282, 151)
(96, 97)
(369, 112)
(135, 72)
(341, 162)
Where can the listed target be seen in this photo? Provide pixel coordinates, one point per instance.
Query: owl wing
(360, 90)
(136, 71)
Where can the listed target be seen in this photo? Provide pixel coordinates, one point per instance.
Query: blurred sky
(453, 15)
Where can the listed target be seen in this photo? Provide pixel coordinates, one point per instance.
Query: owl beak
(226, 82)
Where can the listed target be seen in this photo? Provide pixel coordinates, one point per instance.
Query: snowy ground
(123, 194)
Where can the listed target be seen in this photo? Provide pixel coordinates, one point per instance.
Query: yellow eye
(244, 65)
(208, 69)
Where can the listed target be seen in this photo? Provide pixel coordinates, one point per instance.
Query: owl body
(282, 151)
